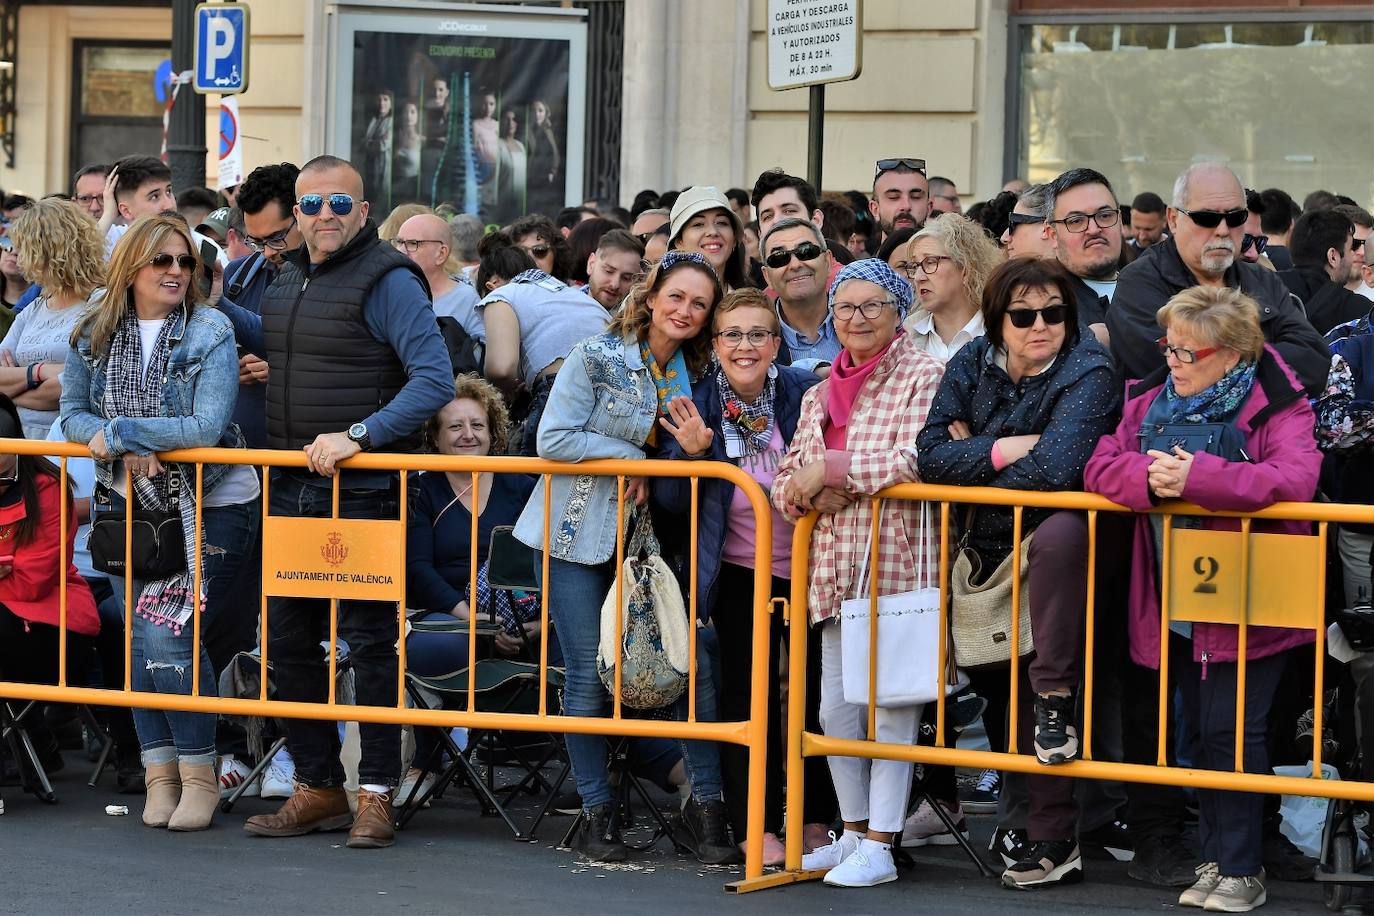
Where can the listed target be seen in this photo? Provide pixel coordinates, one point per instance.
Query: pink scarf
(846, 381)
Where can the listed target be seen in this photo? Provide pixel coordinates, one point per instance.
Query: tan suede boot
(164, 792)
(199, 797)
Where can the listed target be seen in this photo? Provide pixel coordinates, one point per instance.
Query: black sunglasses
(1257, 242)
(1025, 219)
(537, 251)
(806, 251)
(163, 261)
(887, 165)
(1024, 318)
(1210, 219)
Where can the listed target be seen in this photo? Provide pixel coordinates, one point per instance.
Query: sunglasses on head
(538, 251)
(887, 165)
(163, 261)
(339, 204)
(806, 251)
(1025, 318)
(1210, 219)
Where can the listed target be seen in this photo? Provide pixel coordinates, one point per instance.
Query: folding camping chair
(15, 735)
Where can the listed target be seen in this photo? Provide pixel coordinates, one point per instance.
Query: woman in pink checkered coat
(856, 435)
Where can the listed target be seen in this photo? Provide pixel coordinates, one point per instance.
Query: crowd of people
(1209, 349)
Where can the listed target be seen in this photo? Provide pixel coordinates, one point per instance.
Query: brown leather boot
(199, 797)
(373, 829)
(164, 792)
(307, 811)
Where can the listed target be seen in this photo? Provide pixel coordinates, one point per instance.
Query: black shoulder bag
(159, 548)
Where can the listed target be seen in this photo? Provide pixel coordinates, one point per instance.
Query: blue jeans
(576, 592)
(163, 660)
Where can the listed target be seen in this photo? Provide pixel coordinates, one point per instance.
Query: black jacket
(1092, 308)
(1328, 303)
(1160, 274)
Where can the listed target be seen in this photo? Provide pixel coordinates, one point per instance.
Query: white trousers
(876, 791)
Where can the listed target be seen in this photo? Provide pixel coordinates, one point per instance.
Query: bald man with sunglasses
(1206, 224)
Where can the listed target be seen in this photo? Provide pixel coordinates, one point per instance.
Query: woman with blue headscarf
(855, 437)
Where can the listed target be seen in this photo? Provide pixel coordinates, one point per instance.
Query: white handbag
(909, 636)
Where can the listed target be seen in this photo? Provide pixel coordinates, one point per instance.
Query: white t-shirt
(41, 334)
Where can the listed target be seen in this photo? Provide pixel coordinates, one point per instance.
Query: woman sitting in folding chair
(439, 547)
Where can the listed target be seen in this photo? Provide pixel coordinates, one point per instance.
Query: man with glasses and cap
(797, 266)
(901, 194)
(357, 364)
(1206, 224)
(1085, 221)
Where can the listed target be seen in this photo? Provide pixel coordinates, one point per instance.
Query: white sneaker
(866, 866)
(232, 773)
(924, 827)
(832, 853)
(412, 776)
(279, 779)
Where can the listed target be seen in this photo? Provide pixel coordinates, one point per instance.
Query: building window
(117, 104)
(1279, 101)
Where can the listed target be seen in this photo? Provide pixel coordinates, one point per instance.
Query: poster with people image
(477, 123)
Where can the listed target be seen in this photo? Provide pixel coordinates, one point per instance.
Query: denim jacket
(603, 405)
(198, 394)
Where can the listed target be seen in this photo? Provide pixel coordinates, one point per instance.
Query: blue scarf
(671, 381)
(1215, 404)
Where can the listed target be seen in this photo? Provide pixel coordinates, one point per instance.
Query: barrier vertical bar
(1242, 640)
(401, 605)
(1162, 757)
(1319, 686)
(333, 601)
(62, 561)
(475, 491)
(692, 611)
(262, 618)
(1089, 636)
(1014, 696)
(796, 691)
(619, 589)
(942, 653)
(877, 505)
(196, 574)
(761, 681)
(128, 579)
(544, 605)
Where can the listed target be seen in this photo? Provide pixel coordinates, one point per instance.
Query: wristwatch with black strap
(358, 433)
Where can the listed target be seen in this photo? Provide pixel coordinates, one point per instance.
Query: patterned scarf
(671, 381)
(131, 392)
(1215, 404)
(748, 428)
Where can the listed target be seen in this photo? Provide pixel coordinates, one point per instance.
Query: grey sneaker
(1236, 895)
(1208, 877)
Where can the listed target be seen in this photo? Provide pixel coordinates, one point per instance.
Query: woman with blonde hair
(151, 369)
(949, 262)
(60, 249)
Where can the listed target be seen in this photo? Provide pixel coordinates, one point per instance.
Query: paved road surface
(73, 858)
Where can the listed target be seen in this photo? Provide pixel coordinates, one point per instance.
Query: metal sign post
(811, 43)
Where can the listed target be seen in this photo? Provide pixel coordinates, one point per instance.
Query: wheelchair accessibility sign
(221, 52)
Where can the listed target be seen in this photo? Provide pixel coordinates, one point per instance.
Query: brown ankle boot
(304, 812)
(164, 792)
(199, 797)
(373, 829)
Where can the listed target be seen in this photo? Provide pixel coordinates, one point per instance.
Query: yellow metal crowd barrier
(336, 558)
(1304, 579)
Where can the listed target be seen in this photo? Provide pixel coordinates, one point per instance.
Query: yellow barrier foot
(773, 879)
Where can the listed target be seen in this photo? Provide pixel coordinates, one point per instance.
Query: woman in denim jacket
(604, 404)
(149, 371)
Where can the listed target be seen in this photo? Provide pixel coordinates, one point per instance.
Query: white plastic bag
(1304, 817)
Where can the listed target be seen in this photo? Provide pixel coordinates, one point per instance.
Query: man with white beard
(1206, 221)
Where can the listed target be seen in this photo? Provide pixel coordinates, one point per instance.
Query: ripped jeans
(162, 661)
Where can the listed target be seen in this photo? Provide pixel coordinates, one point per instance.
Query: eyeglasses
(757, 337)
(538, 251)
(806, 251)
(1105, 218)
(163, 261)
(1356, 244)
(1025, 219)
(413, 245)
(887, 165)
(844, 311)
(86, 200)
(927, 265)
(1210, 219)
(276, 241)
(1183, 354)
(1257, 242)
(339, 204)
(1025, 318)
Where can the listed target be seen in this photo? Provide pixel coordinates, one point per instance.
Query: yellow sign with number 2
(1205, 578)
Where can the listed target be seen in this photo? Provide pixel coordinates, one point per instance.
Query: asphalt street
(72, 858)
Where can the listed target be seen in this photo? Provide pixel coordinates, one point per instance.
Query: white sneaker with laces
(279, 779)
(1236, 894)
(924, 827)
(232, 773)
(866, 866)
(832, 853)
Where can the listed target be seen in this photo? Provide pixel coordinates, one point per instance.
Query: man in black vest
(357, 364)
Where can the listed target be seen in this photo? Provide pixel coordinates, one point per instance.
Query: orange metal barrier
(377, 550)
(1311, 615)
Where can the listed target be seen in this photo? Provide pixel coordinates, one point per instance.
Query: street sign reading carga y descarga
(814, 41)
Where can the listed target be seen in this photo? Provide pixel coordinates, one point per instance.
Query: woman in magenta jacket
(1219, 371)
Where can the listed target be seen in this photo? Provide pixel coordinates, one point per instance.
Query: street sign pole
(186, 126)
(815, 136)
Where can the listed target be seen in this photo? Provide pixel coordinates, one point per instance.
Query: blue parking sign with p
(221, 56)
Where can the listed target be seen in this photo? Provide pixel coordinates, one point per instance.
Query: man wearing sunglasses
(1206, 227)
(1028, 235)
(1085, 222)
(901, 194)
(1321, 246)
(357, 364)
(796, 264)
(1359, 246)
